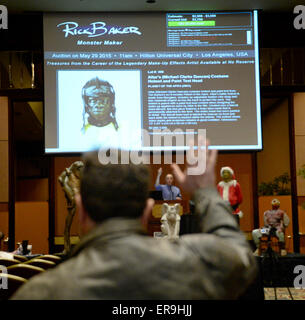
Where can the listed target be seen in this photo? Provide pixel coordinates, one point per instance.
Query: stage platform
(277, 271)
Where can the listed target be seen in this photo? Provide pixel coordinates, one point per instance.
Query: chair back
(12, 282)
(44, 264)
(25, 271)
(20, 258)
(50, 257)
(8, 262)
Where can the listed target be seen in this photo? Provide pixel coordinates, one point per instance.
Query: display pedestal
(154, 223)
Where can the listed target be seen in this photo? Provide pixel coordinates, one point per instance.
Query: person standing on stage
(230, 191)
(169, 192)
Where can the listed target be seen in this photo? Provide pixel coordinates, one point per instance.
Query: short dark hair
(113, 190)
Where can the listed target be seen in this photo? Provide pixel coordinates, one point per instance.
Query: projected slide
(111, 77)
(86, 123)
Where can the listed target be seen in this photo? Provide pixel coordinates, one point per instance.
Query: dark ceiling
(16, 6)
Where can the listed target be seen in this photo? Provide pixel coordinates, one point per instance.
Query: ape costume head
(99, 103)
(275, 204)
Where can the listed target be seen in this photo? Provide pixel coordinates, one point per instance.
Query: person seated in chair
(275, 222)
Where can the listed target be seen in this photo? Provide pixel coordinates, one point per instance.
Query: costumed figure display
(275, 222)
(229, 189)
(70, 182)
(170, 220)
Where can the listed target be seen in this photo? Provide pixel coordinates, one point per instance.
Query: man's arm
(226, 257)
(223, 254)
(286, 220)
(266, 222)
(157, 183)
(239, 193)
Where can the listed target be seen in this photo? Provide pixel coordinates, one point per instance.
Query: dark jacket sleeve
(228, 264)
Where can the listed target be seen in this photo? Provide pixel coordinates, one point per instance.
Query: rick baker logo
(95, 29)
(3, 17)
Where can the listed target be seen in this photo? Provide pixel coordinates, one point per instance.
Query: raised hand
(203, 180)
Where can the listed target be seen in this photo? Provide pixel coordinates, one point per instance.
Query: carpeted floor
(284, 294)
